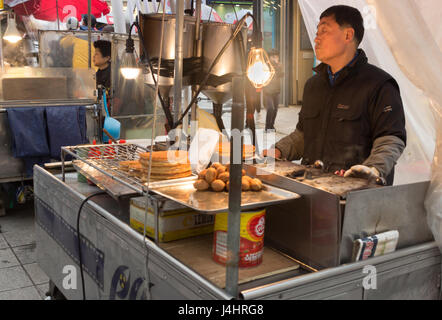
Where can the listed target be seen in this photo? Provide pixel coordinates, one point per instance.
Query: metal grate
(106, 159)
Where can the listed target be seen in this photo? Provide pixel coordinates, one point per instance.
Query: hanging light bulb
(12, 34)
(129, 67)
(259, 69)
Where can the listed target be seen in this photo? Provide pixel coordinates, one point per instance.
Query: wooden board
(196, 253)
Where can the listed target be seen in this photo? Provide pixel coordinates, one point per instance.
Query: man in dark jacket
(352, 117)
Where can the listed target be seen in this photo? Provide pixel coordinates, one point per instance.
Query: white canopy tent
(405, 39)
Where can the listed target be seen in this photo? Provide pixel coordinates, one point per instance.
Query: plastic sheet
(401, 38)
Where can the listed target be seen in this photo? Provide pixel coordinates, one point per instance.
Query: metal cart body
(115, 256)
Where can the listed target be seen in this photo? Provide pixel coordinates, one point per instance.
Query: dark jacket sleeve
(389, 136)
(292, 146)
(387, 115)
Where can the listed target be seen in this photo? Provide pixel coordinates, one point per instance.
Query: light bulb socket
(130, 45)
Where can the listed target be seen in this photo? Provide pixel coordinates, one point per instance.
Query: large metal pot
(215, 36)
(151, 28)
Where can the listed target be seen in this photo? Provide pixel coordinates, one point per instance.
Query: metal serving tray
(210, 202)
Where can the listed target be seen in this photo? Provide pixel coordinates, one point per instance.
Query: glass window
(272, 24)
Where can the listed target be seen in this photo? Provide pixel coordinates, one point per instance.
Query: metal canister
(151, 28)
(215, 36)
(251, 238)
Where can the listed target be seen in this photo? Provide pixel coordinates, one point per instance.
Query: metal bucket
(151, 28)
(215, 36)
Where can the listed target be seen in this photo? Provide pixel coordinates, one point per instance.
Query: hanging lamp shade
(12, 34)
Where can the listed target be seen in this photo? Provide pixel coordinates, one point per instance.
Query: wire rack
(106, 160)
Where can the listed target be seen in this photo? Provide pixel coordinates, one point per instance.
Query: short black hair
(104, 46)
(347, 16)
(85, 19)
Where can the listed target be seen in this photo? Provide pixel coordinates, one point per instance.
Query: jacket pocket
(347, 125)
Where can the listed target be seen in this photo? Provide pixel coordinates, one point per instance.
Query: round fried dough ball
(256, 184)
(201, 185)
(218, 185)
(248, 178)
(210, 175)
(243, 172)
(245, 185)
(225, 176)
(202, 174)
(221, 169)
(228, 185)
(216, 165)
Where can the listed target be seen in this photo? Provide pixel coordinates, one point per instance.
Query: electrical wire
(79, 239)
(240, 24)
(234, 10)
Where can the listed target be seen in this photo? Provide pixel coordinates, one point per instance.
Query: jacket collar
(359, 61)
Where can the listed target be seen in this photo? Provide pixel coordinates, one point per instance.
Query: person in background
(271, 92)
(84, 22)
(72, 24)
(102, 60)
(108, 28)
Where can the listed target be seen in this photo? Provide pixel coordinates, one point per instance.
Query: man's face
(331, 40)
(99, 60)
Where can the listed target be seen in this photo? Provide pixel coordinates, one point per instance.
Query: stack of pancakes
(166, 165)
(224, 151)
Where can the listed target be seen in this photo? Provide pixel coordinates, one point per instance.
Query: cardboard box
(175, 222)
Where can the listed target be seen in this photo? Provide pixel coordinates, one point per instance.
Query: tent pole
(89, 30)
(58, 18)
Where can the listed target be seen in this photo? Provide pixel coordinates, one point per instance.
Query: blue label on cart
(67, 238)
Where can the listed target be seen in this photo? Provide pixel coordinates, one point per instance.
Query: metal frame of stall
(115, 255)
(170, 275)
(13, 168)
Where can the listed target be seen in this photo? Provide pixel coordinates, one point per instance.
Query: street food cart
(308, 242)
(312, 223)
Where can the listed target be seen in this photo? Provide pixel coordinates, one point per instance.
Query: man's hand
(364, 172)
(274, 153)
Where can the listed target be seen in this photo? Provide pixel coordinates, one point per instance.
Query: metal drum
(151, 28)
(215, 36)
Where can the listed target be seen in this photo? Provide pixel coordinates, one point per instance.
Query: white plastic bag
(202, 147)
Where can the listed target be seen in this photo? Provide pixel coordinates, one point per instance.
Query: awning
(47, 9)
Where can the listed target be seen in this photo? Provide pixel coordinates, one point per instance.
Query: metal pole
(198, 53)
(58, 18)
(178, 85)
(234, 219)
(1, 44)
(89, 32)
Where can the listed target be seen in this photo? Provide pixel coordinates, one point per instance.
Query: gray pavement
(20, 276)
(286, 121)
